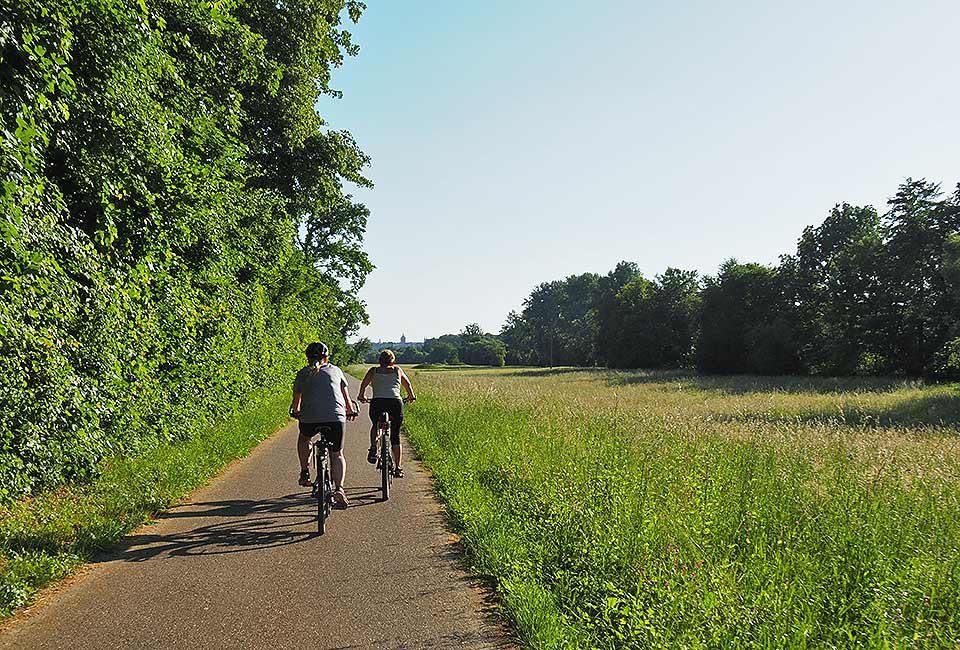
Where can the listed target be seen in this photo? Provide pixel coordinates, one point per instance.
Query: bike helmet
(317, 350)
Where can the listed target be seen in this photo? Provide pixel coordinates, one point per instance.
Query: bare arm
(295, 403)
(367, 378)
(406, 384)
(351, 411)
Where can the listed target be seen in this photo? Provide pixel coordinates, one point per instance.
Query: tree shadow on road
(243, 525)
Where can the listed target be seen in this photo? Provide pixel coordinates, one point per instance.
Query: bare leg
(373, 435)
(397, 455)
(303, 451)
(338, 468)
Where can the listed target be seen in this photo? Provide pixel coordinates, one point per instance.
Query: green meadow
(634, 509)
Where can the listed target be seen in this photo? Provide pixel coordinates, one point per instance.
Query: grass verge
(637, 510)
(46, 538)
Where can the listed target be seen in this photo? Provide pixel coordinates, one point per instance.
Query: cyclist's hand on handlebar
(410, 398)
(294, 414)
(362, 400)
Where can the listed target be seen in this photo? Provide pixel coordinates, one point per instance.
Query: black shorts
(331, 432)
(392, 406)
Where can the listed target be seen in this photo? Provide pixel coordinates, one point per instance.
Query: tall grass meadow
(621, 510)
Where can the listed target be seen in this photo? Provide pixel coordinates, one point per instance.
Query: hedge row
(161, 161)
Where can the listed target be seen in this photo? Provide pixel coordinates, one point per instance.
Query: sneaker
(340, 499)
(372, 455)
(305, 478)
(398, 472)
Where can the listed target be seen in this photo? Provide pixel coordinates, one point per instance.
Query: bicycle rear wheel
(323, 491)
(385, 475)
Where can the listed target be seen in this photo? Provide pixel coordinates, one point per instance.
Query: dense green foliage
(863, 294)
(173, 223)
(699, 512)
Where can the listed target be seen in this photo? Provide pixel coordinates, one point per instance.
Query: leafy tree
(834, 284)
(484, 352)
(610, 338)
(411, 355)
(654, 322)
(358, 352)
(471, 333)
(442, 352)
(742, 329)
(517, 337)
(676, 310)
(562, 322)
(951, 262)
(917, 307)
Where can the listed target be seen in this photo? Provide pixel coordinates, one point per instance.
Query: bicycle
(323, 485)
(384, 456)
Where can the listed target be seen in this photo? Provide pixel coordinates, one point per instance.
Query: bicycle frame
(385, 458)
(385, 462)
(323, 485)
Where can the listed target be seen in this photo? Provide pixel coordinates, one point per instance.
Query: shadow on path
(242, 525)
(363, 496)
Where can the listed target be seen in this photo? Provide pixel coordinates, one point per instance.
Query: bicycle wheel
(385, 464)
(323, 483)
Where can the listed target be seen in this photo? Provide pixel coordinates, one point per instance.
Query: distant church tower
(403, 338)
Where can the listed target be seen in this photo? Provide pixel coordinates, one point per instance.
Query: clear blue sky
(516, 142)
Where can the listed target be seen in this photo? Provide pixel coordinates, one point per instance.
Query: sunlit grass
(46, 538)
(664, 510)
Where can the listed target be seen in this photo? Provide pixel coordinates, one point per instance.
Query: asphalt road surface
(238, 565)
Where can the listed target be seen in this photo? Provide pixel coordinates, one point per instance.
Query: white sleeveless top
(386, 384)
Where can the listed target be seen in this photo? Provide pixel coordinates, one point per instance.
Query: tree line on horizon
(470, 346)
(174, 227)
(863, 293)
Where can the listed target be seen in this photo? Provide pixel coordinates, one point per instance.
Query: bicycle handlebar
(366, 400)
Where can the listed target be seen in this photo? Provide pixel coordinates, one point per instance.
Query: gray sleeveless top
(322, 395)
(386, 384)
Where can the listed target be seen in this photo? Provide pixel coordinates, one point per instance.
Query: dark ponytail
(316, 352)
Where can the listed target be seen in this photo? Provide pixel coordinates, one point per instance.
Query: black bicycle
(384, 457)
(323, 485)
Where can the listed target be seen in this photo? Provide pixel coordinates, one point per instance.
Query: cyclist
(387, 378)
(322, 404)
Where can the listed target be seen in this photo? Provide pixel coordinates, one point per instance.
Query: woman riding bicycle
(387, 378)
(321, 403)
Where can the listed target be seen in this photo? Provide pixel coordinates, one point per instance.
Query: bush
(158, 160)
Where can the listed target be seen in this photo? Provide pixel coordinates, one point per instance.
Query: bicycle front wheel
(385, 466)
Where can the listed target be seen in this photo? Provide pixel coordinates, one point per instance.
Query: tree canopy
(173, 214)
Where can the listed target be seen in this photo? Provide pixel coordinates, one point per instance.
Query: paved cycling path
(238, 566)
